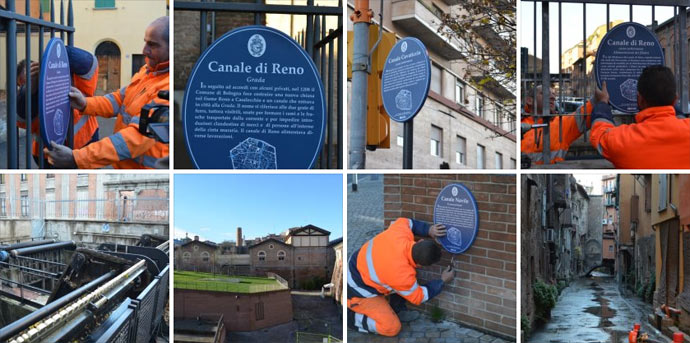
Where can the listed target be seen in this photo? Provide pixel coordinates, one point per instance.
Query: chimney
(239, 236)
(196, 238)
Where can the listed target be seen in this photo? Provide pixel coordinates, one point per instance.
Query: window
(663, 183)
(259, 310)
(205, 256)
(2, 179)
(186, 257)
(513, 163)
(25, 205)
(480, 157)
(3, 211)
(461, 151)
(436, 78)
(647, 195)
(610, 248)
(459, 92)
(50, 176)
(479, 105)
(497, 115)
(23, 177)
(499, 160)
(436, 141)
(104, 4)
(270, 246)
(82, 202)
(400, 141)
(281, 255)
(262, 255)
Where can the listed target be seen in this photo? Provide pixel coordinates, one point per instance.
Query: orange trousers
(375, 315)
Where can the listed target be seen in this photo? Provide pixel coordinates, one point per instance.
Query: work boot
(351, 320)
(398, 303)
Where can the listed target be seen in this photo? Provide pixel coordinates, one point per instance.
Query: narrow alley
(592, 309)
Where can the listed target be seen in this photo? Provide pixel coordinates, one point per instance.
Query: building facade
(197, 256)
(460, 126)
(87, 208)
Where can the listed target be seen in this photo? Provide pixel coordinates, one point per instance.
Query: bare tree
(486, 30)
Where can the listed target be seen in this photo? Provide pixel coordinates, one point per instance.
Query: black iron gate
(8, 25)
(325, 48)
(531, 76)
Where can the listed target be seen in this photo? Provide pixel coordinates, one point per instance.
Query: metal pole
(203, 43)
(545, 82)
(257, 15)
(683, 58)
(69, 141)
(17, 326)
(12, 158)
(27, 71)
(408, 133)
(361, 19)
(40, 58)
(41, 248)
(340, 93)
(332, 86)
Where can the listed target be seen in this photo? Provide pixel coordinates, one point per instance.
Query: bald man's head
(157, 43)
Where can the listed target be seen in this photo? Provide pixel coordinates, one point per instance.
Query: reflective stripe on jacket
(127, 148)
(572, 127)
(659, 140)
(384, 265)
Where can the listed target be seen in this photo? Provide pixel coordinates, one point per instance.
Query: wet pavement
(594, 310)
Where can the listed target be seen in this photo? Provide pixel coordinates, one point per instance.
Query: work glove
(60, 156)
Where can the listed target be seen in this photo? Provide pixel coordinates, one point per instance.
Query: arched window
(281, 255)
(205, 256)
(262, 255)
(186, 256)
(270, 246)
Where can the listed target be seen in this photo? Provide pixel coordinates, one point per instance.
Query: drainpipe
(361, 19)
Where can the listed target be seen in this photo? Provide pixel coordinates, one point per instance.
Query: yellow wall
(125, 26)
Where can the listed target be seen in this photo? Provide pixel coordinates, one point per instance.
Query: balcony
(419, 21)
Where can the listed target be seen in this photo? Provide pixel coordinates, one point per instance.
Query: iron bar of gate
(27, 98)
(545, 81)
(339, 129)
(12, 144)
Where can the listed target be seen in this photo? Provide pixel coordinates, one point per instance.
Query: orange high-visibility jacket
(658, 140)
(127, 148)
(84, 126)
(573, 126)
(385, 265)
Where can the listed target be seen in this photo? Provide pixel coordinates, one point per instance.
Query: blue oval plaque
(406, 79)
(53, 93)
(254, 100)
(622, 55)
(456, 208)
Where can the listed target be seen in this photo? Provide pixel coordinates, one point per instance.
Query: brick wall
(483, 293)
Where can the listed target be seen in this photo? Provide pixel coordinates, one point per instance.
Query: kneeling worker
(387, 264)
(658, 139)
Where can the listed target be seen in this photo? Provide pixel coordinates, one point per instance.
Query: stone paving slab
(423, 330)
(364, 211)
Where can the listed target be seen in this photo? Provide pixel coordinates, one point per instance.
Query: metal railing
(147, 210)
(532, 76)
(308, 337)
(8, 24)
(325, 48)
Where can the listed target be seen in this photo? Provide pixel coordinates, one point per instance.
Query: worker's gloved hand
(437, 230)
(448, 274)
(76, 99)
(60, 157)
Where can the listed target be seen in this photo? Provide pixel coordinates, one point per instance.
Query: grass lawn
(224, 283)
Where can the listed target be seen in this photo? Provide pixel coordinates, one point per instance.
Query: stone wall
(483, 293)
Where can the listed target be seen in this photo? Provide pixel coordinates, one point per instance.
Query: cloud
(180, 233)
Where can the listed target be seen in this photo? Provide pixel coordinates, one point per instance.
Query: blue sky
(572, 23)
(214, 205)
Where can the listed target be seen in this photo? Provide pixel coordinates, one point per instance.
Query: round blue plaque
(622, 55)
(456, 208)
(406, 79)
(254, 100)
(53, 93)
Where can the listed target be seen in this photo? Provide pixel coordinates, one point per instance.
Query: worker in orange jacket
(127, 147)
(386, 265)
(84, 67)
(572, 126)
(658, 139)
